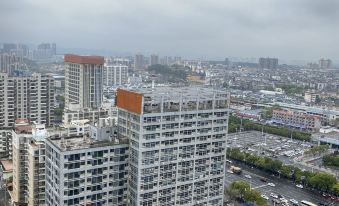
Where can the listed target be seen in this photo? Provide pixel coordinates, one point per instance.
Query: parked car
(300, 186)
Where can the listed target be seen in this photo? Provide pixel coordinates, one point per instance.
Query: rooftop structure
(68, 143)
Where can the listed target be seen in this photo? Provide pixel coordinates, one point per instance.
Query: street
(283, 187)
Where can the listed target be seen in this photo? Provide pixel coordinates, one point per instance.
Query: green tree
(323, 181)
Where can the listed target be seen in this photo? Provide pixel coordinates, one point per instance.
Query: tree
(335, 189)
(323, 181)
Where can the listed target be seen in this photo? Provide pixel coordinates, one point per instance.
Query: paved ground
(283, 187)
(274, 146)
(4, 198)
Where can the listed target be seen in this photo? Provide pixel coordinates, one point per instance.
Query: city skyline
(245, 29)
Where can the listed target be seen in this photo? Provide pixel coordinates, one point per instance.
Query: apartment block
(83, 81)
(28, 97)
(6, 143)
(296, 119)
(268, 63)
(28, 163)
(83, 171)
(177, 144)
(115, 75)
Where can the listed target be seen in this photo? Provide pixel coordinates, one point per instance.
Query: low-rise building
(296, 119)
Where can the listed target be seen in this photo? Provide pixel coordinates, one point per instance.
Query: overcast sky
(288, 29)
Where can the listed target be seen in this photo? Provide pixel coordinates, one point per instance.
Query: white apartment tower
(115, 75)
(83, 171)
(27, 97)
(83, 81)
(29, 163)
(177, 145)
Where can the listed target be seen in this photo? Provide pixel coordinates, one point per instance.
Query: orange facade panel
(84, 59)
(129, 100)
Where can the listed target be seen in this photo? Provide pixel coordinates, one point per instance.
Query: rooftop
(84, 59)
(82, 142)
(7, 165)
(174, 92)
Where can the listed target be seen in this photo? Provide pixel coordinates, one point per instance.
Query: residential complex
(83, 81)
(177, 144)
(28, 97)
(115, 75)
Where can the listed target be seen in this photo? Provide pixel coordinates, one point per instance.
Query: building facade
(83, 171)
(177, 144)
(83, 80)
(154, 59)
(115, 75)
(139, 62)
(29, 97)
(6, 143)
(268, 63)
(296, 119)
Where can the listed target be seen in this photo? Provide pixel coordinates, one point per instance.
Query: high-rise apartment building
(139, 62)
(325, 63)
(27, 97)
(177, 144)
(83, 81)
(115, 75)
(268, 63)
(84, 171)
(154, 59)
(28, 164)
(10, 62)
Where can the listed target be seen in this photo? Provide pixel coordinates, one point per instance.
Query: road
(283, 187)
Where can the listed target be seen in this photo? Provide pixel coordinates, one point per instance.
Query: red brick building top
(84, 59)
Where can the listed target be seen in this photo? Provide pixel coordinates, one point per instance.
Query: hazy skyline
(287, 29)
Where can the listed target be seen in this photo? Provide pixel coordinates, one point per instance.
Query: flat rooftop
(82, 142)
(193, 92)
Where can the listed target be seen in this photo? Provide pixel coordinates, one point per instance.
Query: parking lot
(279, 189)
(287, 150)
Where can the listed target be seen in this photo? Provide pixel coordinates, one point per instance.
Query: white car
(230, 171)
(274, 195)
(248, 176)
(294, 201)
(300, 186)
(265, 197)
(271, 184)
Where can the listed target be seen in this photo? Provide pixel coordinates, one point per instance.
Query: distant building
(139, 62)
(154, 59)
(83, 81)
(115, 75)
(268, 63)
(226, 62)
(44, 51)
(29, 97)
(311, 97)
(164, 60)
(10, 62)
(313, 65)
(296, 119)
(325, 63)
